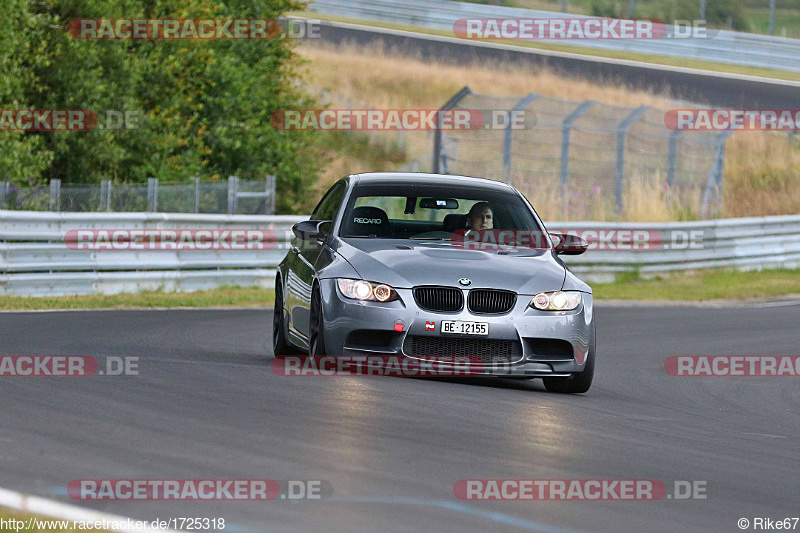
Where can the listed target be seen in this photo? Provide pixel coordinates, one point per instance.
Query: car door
(302, 261)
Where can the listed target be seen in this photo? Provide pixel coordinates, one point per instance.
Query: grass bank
(255, 297)
(697, 286)
(702, 286)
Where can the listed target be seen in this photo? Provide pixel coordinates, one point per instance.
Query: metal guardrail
(725, 47)
(35, 261)
(744, 243)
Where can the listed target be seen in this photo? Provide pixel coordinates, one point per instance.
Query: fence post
(196, 194)
(152, 195)
(233, 188)
(105, 205)
(55, 194)
(509, 132)
(270, 190)
(566, 128)
(444, 157)
(437, 134)
(622, 130)
(672, 156)
(6, 187)
(716, 172)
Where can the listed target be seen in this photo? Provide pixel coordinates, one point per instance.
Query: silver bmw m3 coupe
(424, 265)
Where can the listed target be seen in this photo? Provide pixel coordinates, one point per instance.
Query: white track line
(63, 511)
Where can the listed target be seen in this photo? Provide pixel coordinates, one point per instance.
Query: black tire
(578, 383)
(280, 346)
(316, 333)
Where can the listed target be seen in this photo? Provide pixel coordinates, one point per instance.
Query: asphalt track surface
(702, 87)
(206, 405)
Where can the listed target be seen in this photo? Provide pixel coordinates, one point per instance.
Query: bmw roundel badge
(465, 282)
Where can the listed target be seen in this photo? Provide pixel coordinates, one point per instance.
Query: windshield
(432, 212)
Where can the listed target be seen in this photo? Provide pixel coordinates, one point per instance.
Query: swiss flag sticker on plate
(430, 326)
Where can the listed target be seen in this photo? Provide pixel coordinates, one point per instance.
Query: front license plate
(458, 327)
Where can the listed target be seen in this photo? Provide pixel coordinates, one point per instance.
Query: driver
(480, 217)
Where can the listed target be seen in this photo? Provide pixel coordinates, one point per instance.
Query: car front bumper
(533, 330)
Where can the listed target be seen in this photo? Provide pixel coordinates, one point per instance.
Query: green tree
(204, 105)
(23, 157)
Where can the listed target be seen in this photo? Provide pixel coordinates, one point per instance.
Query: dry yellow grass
(762, 170)
(396, 81)
(762, 175)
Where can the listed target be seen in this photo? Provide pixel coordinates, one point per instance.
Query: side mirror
(569, 244)
(311, 230)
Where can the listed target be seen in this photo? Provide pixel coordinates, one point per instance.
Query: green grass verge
(612, 54)
(221, 297)
(784, 20)
(45, 525)
(696, 286)
(701, 286)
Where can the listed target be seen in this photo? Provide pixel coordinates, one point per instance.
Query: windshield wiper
(428, 239)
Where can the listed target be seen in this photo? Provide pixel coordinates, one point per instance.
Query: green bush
(205, 105)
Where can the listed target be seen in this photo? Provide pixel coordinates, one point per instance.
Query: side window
(329, 206)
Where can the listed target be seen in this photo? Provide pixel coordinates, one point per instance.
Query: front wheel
(316, 337)
(580, 382)
(280, 346)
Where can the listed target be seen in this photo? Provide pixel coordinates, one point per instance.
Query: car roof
(418, 178)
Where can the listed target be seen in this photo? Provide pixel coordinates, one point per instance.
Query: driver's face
(483, 219)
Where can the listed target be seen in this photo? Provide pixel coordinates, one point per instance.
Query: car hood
(406, 263)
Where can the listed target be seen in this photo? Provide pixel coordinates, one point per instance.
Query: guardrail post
(105, 203)
(622, 130)
(5, 191)
(55, 194)
(437, 134)
(566, 128)
(152, 195)
(270, 200)
(233, 189)
(716, 172)
(509, 132)
(672, 156)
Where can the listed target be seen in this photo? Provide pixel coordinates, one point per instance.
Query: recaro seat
(367, 220)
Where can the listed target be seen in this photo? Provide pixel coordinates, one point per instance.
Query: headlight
(358, 289)
(556, 301)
